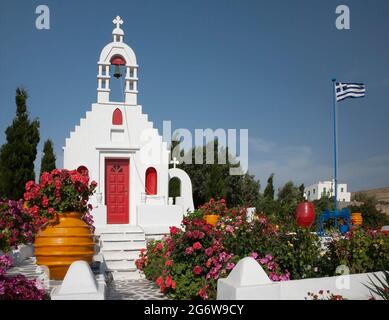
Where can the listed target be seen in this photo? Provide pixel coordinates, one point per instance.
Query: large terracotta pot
(305, 214)
(211, 219)
(64, 240)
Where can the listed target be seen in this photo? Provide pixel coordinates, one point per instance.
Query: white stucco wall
(92, 142)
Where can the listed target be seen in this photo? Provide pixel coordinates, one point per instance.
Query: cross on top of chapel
(118, 21)
(174, 162)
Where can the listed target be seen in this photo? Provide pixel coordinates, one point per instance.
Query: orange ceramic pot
(211, 219)
(356, 219)
(64, 240)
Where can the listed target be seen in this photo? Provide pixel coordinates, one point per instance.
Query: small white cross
(118, 21)
(174, 162)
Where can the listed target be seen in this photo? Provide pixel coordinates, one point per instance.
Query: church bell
(117, 73)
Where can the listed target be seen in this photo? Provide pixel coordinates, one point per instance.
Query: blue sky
(261, 65)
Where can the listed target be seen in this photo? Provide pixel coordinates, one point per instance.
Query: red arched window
(151, 181)
(117, 117)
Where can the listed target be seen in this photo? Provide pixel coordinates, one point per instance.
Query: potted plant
(213, 210)
(60, 201)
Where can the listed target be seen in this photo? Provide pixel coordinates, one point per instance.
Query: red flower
(197, 270)
(173, 285)
(168, 281)
(168, 263)
(159, 281)
(159, 246)
(173, 230)
(197, 245)
(45, 201)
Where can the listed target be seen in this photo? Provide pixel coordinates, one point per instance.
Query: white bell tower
(117, 54)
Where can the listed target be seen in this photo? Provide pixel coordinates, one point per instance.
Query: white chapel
(124, 153)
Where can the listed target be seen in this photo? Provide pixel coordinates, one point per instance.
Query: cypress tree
(18, 154)
(48, 159)
(268, 193)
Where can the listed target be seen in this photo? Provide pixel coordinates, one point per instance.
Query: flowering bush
(187, 263)
(18, 287)
(360, 250)
(17, 225)
(60, 191)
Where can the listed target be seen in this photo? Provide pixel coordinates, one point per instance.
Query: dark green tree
(18, 154)
(215, 181)
(48, 159)
(268, 193)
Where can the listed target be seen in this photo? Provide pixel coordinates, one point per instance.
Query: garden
(187, 263)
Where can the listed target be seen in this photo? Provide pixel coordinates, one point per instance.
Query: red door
(116, 190)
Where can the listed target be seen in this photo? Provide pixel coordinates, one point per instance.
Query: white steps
(120, 246)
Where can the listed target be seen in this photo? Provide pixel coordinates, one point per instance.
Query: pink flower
(230, 266)
(254, 255)
(189, 251)
(230, 229)
(209, 251)
(168, 263)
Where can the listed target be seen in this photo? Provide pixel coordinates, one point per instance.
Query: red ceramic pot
(305, 214)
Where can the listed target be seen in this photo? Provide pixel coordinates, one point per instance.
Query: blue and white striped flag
(349, 90)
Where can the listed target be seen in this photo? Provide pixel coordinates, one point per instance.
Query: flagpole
(335, 149)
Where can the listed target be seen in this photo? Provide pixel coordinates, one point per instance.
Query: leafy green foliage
(18, 154)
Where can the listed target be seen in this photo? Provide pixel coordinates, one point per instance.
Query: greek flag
(349, 90)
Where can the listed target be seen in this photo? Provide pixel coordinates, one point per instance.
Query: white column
(135, 88)
(99, 83)
(107, 70)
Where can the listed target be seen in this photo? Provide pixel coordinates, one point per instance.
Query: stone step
(118, 228)
(121, 265)
(121, 255)
(122, 237)
(127, 275)
(130, 245)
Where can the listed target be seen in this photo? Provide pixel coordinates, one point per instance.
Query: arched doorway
(174, 188)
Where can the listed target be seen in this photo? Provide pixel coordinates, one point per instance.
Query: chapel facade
(123, 152)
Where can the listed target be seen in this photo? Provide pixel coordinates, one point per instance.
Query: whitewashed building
(128, 159)
(326, 188)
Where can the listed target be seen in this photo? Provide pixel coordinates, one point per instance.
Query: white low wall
(156, 219)
(23, 252)
(248, 281)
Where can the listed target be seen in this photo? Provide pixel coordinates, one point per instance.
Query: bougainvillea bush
(187, 263)
(18, 287)
(60, 191)
(17, 225)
